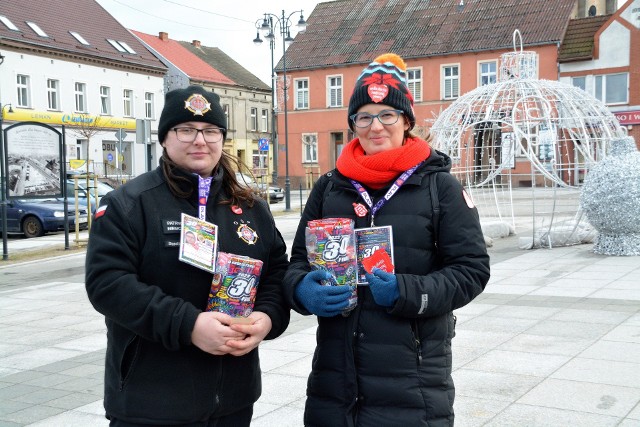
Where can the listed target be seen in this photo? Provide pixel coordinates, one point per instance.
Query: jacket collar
(192, 185)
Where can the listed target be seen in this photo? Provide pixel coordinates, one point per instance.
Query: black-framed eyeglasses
(386, 117)
(188, 135)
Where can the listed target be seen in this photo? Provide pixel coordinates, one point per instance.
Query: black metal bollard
(300, 199)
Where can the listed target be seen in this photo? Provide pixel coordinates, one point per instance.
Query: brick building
(450, 47)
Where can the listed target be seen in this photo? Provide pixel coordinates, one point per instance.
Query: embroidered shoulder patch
(100, 211)
(468, 199)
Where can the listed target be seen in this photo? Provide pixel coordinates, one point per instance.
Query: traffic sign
(121, 134)
(263, 144)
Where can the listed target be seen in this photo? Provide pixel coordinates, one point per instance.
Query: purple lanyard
(392, 190)
(204, 186)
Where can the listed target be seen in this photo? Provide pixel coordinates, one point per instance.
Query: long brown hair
(182, 188)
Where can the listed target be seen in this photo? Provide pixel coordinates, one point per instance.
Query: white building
(65, 68)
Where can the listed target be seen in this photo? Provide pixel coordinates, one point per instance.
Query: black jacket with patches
(392, 367)
(150, 300)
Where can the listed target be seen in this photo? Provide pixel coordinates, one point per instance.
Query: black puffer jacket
(392, 367)
(154, 375)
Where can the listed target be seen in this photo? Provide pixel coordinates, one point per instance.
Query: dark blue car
(33, 218)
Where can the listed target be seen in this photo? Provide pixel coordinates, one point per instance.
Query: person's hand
(384, 287)
(254, 327)
(211, 332)
(324, 301)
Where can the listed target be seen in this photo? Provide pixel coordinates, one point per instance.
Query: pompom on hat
(384, 81)
(191, 104)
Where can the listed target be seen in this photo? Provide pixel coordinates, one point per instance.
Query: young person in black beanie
(168, 360)
(387, 361)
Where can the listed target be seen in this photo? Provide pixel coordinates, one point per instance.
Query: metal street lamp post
(3, 196)
(274, 132)
(269, 24)
(3, 202)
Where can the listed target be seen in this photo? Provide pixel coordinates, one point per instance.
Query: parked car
(275, 193)
(84, 192)
(34, 217)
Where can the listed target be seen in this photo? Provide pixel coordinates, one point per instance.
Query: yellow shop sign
(69, 119)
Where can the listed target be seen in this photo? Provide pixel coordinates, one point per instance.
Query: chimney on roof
(196, 43)
(461, 6)
(163, 36)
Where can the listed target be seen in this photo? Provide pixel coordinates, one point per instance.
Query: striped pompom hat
(384, 81)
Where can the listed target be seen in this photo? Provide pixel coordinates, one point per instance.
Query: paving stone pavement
(553, 341)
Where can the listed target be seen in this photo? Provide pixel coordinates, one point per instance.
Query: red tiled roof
(186, 61)
(354, 31)
(86, 17)
(580, 38)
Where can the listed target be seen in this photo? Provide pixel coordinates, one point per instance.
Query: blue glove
(384, 287)
(324, 301)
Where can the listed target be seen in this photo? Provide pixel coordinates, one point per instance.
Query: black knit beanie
(193, 104)
(384, 81)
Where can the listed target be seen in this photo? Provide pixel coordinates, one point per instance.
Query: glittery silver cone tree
(611, 199)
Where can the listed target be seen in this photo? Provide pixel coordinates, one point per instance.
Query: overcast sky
(228, 25)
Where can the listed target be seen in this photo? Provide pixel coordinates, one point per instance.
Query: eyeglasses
(386, 117)
(188, 135)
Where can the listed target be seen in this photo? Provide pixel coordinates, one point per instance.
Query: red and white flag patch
(100, 211)
(468, 199)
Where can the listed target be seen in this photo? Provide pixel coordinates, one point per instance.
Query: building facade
(245, 100)
(450, 48)
(98, 83)
(600, 56)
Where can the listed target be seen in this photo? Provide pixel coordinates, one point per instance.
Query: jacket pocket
(129, 358)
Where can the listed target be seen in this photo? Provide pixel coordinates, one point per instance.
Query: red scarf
(378, 170)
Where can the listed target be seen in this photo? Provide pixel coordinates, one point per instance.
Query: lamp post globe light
(271, 22)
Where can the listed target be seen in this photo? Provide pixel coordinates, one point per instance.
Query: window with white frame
(36, 29)
(24, 91)
(414, 83)
(488, 73)
(116, 45)
(264, 120)
(254, 119)
(127, 47)
(334, 91)
(10, 25)
(105, 100)
(148, 105)
(580, 82)
(78, 37)
(302, 94)
(612, 88)
(53, 94)
(80, 92)
(309, 148)
(450, 81)
(127, 103)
